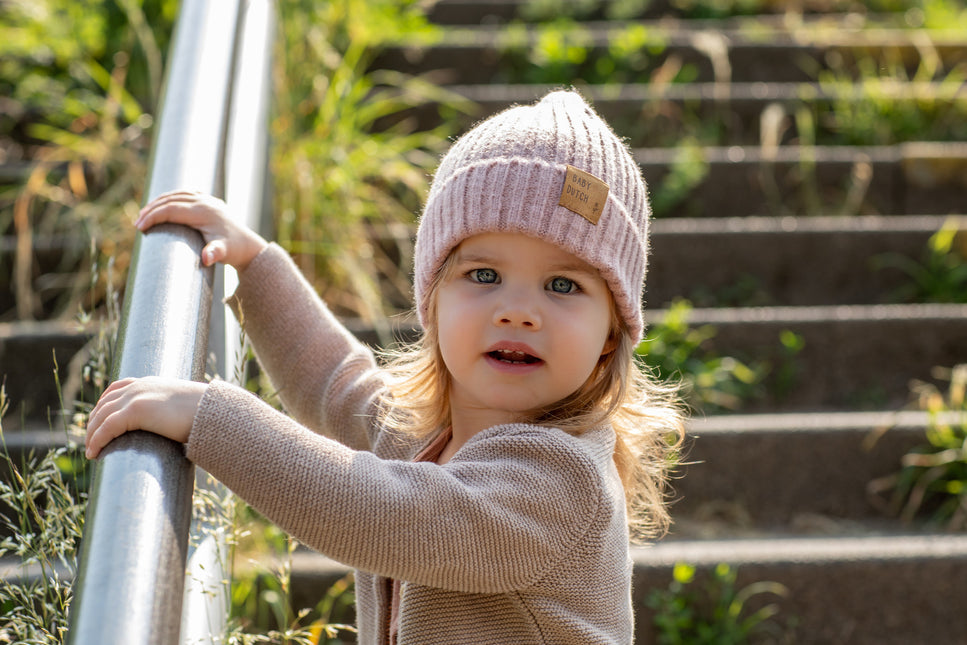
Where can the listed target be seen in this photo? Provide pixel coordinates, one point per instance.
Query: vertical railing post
(131, 579)
(207, 601)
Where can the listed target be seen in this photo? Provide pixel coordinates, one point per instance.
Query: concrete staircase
(786, 223)
(769, 220)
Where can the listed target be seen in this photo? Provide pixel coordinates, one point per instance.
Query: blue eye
(562, 285)
(484, 276)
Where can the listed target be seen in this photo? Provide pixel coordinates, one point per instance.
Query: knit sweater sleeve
(503, 512)
(325, 377)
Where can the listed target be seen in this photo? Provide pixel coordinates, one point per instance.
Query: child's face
(521, 324)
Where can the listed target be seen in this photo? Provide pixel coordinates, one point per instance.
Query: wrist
(253, 245)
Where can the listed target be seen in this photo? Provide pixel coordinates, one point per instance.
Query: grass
(931, 483)
(355, 164)
(43, 503)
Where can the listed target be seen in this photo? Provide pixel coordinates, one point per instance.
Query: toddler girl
(483, 482)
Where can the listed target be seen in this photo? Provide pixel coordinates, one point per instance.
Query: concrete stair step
(871, 590)
(475, 12)
(787, 261)
(736, 53)
(789, 474)
(30, 351)
(915, 178)
(854, 357)
(743, 114)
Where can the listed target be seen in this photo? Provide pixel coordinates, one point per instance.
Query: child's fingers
(180, 207)
(214, 251)
(105, 402)
(113, 425)
(109, 419)
(174, 209)
(163, 406)
(165, 199)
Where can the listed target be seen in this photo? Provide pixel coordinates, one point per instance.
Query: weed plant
(676, 350)
(262, 603)
(878, 102)
(351, 163)
(940, 276)
(563, 52)
(716, 612)
(80, 81)
(932, 482)
(43, 519)
(43, 497)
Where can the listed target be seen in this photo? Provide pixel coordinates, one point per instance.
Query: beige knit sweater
(520, 538)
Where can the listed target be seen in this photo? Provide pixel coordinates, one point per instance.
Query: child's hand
(163, 406)
(225, 241)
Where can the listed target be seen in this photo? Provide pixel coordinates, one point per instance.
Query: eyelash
(474, 276)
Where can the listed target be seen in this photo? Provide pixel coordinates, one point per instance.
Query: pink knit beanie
(555, 171)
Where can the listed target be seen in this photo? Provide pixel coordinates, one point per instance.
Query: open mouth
(513, 357)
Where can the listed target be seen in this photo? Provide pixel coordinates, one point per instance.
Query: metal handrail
(207, 595)
(131, 581)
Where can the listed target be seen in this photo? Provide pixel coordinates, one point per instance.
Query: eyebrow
(573, 267)
(463, 256)
(567, 267)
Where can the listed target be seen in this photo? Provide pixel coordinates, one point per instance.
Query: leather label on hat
(584, 194)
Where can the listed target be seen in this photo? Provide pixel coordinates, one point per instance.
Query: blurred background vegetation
(80, 84)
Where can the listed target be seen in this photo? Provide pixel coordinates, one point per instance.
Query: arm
(509, 507)
(325, 377)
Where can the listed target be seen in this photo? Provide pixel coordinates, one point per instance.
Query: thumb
(214, 251)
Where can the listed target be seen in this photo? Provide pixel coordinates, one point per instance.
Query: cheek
(454, 327)
(587, 338)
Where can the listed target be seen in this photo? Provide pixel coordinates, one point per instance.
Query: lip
(529, 358)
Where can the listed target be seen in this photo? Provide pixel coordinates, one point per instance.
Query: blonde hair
(646, 415)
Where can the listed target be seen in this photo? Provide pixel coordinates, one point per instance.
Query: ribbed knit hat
(512, 173)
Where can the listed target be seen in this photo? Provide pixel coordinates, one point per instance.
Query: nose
(518, 309)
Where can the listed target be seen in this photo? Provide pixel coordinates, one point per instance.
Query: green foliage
(43, 516)
(563, 52)
(351, 163)
(675, 349)
(80, 81)
(942, 15)
(43, 39)
(261, 599)
(688, 170)
(876, 102)
(932, 481)
(941, 274)
(713, 613)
